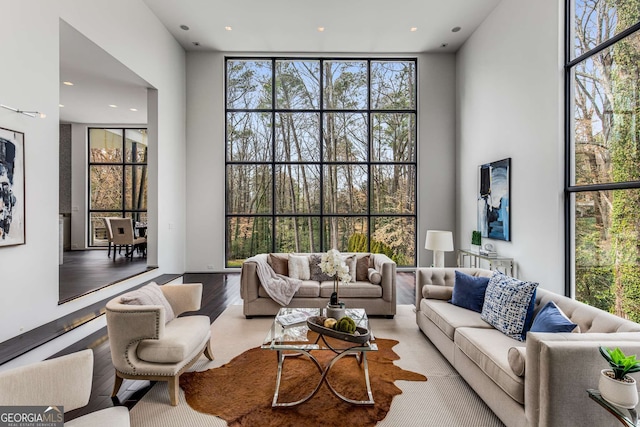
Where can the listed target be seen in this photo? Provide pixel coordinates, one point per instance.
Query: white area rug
(443, 400)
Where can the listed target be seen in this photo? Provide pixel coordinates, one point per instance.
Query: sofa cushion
(149, 294)
(279, 263)
(517, 359)
(352, 290)
(315, 271)
(180, 338)
(299, 267)
(508, 305)
(552, 319)
(308, 289)
(468, 291)
(362, 267)
(448, 317)
(489, 350)
(374, 276)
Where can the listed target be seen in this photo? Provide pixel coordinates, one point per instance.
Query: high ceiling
(259, 26)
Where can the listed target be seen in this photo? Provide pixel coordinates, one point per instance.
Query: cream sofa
(558, 367)
(376, 299)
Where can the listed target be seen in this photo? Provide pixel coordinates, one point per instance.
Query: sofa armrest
(65, 380)
(249, 281)
(560, 368)
(387, 268)
(183, 297)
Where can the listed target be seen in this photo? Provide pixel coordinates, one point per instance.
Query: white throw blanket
(280, 288)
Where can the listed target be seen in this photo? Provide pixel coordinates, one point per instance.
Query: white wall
(128, 31)
(206, 155)
(509, 104)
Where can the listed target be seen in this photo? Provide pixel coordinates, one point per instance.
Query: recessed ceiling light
(133, 109)
(414, 29)
(321, 29)
(67, 83)
(444, 45)
(455, 29)
(184, 27)
(228, 28)
(196, 43)
(60, 105)
(113, 106)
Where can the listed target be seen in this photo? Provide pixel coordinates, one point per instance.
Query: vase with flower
(333, 264)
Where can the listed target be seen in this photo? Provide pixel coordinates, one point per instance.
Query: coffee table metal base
(358, 352)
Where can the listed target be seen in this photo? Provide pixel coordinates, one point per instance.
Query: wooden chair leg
(116, 385)
(109, 250)
(174, 387)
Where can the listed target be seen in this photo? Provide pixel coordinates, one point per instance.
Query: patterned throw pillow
(316, 273)
(149, 294)
(508, 305)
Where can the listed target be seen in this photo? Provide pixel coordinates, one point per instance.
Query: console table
(628, 417)
(502, 264)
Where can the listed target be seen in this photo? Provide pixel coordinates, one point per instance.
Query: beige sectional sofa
(376, 299)
(558, 367)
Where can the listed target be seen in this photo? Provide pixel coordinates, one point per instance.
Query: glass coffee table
(292, 341)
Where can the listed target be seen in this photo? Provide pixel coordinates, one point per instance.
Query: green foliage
(620, 363)
(346, 324)
(476, 238)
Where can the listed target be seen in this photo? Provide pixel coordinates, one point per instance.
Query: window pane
(607, 226)
(394, 237)
(105, 187)
(596, 21)
(338, 231)
(393, 85)
(345, 189)
(606, 115)
(297, 189)
(297, 137)
(298, 85)
(394, 137)
(248, 84)
(135, 145)
(135, 184)
(345, 137)
(248, 189)
(393, 189)
(98, 230)
(247, 236)
(249, 137)
(345, 85)
(105, 145)
(298, 234)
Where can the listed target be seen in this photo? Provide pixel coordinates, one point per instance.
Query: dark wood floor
(83, 272)
(219, 291)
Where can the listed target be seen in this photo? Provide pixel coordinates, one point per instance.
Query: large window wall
(117, 178)
(321, 153)
(603, 154)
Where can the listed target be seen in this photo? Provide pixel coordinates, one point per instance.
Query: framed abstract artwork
(494, 194)
(12, 194)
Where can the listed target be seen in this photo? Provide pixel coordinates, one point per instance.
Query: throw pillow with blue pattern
(508, 305)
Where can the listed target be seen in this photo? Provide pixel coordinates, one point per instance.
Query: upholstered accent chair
(123, 235)
(66, 381)
(148, 343)
(107, 227)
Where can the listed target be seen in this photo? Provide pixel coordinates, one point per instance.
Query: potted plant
(615, 385)
(333, 264)
(476, 241)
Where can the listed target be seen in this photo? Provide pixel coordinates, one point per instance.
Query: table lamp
(439, 242)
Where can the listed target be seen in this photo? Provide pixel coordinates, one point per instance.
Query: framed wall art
(12, 194)
(494, 198)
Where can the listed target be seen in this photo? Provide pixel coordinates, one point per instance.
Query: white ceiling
(260, 26)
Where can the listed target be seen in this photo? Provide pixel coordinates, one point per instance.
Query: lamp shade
(439, 240)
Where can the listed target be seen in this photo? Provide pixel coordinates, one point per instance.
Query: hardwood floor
(219, 291)
(87, 271)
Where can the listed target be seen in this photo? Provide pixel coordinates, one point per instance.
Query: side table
(628, 417)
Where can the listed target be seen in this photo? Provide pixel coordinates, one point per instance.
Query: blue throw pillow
(552, 319)
(468, 291)
(508, 305)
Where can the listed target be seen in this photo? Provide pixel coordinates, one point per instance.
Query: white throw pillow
(299, 267)
(150, 294)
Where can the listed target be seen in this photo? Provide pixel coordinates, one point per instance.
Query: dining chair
(107, 226)
(123, 235)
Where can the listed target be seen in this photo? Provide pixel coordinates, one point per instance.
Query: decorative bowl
(316, 324)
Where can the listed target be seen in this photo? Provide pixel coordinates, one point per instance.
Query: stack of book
(487, 253)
